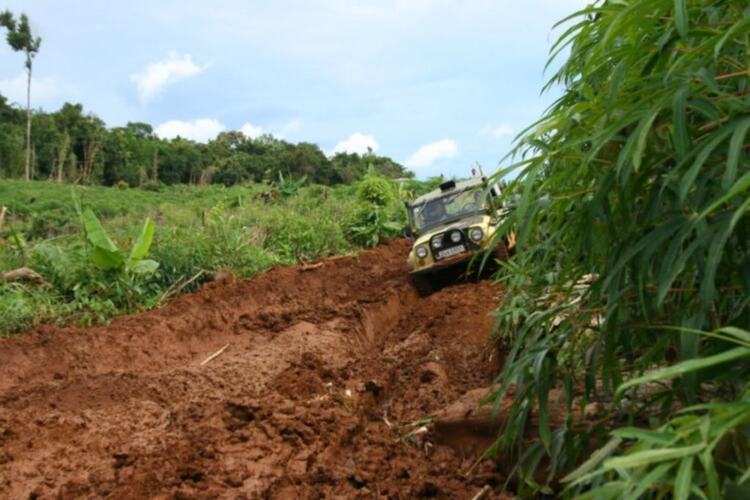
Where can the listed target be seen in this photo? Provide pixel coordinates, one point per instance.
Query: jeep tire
(501, 251)
(423, 285)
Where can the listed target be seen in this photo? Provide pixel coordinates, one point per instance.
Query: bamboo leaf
(715, 254)
(648, 480)
(679, 127)
(594, 460)
(736, 145)
(689, 177)
(684, 479)
(737, 29)
(685, 367)
(644, 458)
(644, 128)
(738, 333)
(712, 476)
(681, 17)
(739, 187)
(540, 374)
(656, 437)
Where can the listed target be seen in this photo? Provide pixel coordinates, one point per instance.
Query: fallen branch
(214, 355)
(23, 274)
(310, 267)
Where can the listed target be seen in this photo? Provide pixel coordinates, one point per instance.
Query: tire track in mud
(322, 365)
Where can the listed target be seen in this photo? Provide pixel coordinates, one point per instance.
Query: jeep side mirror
(408, 232)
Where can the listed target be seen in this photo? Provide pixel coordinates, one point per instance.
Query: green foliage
(19, 35)
(201, 230)
(369, 223)
(705, 447)
(632, 198)
(105, 254)
(376, 190)
(288, 186)
(154, 186)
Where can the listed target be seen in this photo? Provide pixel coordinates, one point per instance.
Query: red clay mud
(325, 369)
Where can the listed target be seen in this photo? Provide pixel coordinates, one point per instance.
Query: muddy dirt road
(325, 367)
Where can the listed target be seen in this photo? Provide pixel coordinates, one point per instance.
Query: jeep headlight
(437, 242)
(476, 234)
(455, 236)
(421, 251)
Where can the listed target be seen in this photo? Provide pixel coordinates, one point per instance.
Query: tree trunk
(3, 211)
(27, 166)
(89, 156)
(62, 156)
(155, 166)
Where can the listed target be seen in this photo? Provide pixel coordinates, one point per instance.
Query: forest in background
(71, 145)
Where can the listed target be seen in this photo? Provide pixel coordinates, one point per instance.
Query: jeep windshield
(447, 208)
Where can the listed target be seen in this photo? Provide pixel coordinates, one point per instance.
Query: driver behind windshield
(434, 212)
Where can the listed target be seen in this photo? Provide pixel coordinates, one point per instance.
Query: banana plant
(106, 255)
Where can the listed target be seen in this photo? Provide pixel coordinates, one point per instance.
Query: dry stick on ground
(310, 267)
(214, 355)
(483, 492)
(174, 290)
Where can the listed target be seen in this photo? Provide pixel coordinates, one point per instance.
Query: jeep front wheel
(501, 251)
(423, 285)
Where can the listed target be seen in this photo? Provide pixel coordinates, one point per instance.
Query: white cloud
(251, 130)
(44, 90)
(200, 130)
(152, 80)
(497, 131)
(289, 128)
(356, 143)
(429, 153)
(502, 130)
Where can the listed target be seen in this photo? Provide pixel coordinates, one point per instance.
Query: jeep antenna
(479, 166)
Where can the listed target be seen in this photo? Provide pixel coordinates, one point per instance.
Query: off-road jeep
(450, 225)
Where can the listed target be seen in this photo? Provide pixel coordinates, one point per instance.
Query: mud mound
(313, 397)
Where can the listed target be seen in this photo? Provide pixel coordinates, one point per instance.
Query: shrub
(152, 185)
(368, 224)
(376, 190)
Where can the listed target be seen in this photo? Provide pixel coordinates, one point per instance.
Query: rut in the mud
(324, 367)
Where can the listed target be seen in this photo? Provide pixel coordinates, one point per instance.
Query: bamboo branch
(731, 75)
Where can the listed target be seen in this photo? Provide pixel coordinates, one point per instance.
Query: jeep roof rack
(447, 185)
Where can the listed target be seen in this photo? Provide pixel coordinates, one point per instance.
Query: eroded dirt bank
(311, 399)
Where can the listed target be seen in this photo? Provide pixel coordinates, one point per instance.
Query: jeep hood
(462, 223)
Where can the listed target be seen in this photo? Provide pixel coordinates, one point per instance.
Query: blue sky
(434, 84)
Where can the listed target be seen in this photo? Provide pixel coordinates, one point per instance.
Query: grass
(199, 231)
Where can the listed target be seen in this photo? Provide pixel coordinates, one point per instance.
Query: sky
(437, 85)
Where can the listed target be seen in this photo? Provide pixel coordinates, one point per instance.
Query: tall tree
(21, 39)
